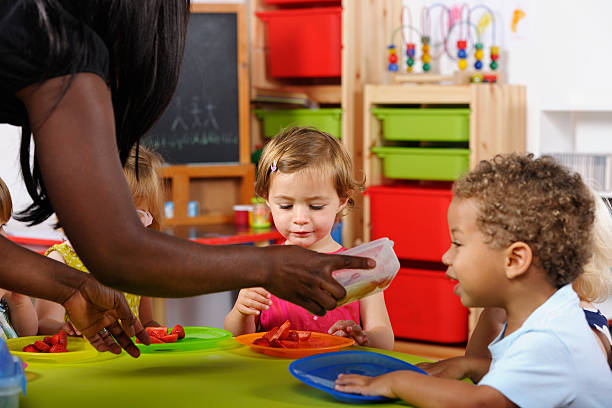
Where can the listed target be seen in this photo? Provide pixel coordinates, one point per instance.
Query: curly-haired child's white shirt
(552, 360)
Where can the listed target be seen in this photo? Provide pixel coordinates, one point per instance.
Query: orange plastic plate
(316, 344)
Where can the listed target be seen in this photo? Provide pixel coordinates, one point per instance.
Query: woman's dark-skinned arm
(78, 157)
(90, 305)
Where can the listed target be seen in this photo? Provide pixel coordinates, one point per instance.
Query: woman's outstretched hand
(95, 310)
(305, 277)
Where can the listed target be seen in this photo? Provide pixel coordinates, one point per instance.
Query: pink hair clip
(273, 167)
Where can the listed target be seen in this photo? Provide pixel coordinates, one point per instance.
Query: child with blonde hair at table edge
(17, 314)
(145, 185)
(521, 232)
(306, 177)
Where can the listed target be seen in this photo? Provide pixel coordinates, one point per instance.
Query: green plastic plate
(196, 338)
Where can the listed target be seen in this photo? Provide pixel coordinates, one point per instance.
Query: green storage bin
(422, 163)
(326, 119)
(437, 125)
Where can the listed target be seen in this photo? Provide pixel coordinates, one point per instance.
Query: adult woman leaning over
(88, 78)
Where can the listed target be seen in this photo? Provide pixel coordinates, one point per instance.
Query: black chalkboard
(201, 123)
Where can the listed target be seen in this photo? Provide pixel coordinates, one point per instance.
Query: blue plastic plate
(321, 370)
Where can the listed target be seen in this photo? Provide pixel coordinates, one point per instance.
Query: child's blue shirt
(552, 360)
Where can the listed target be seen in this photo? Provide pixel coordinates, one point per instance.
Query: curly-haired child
(521, 232)
(593, 285)
(145, 185)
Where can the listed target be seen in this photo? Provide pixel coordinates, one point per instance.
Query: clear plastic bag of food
(360, 283)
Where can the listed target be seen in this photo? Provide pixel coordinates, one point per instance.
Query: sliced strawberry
(42, 346)
(284, 330)
(276, 343)
(170, 338)
(154, 340)
(293, 335)
(290, 343)
(261, 342)
(63, 339)
(270, 333)
(178, 329)
(158, 332)
(30, 349)
(55, 339)
(58, 348)
(48, 340)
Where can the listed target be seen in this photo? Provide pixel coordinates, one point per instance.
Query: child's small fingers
(254, 304)
(262, 292)
(339, 325)
(256, 297)
(245, 310)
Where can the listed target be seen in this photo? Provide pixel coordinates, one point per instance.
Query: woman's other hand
(94, 307)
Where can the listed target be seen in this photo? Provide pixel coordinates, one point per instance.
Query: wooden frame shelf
(497, 125)
(180, 178)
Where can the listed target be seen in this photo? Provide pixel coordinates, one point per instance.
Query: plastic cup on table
(360, 283)
(241, 213)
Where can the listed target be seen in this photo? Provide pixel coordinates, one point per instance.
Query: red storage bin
(304, 42)
(423, 306)
(412, 217)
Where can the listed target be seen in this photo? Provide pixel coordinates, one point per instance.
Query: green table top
(231, 375)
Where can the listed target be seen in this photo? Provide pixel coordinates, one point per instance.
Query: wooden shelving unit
(497, 125)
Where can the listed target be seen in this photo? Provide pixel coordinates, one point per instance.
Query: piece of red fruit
(170, 338)
(42, 346)
(30, 349)
(58, 348)
(268, 335)
(283, 331)
(178, 329)
(261, 342)
(55, 339)
(48, 340)
(158, 332)
(276, 343)
(63, 338)
(304, 335)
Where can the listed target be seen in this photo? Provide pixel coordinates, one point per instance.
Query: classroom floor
(431, 351)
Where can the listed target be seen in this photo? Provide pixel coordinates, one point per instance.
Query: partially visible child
(17, 314)
(521, 232)
(593, 285)
(306, 177)
(145, 185)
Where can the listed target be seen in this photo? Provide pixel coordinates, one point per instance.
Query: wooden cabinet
(497, 125)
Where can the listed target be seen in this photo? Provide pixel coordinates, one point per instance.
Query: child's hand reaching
(364, 385)
(348, 328)
(456, 368)
(252, 300)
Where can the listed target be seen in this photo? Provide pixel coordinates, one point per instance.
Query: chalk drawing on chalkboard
(178, 120)
(202, 122)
